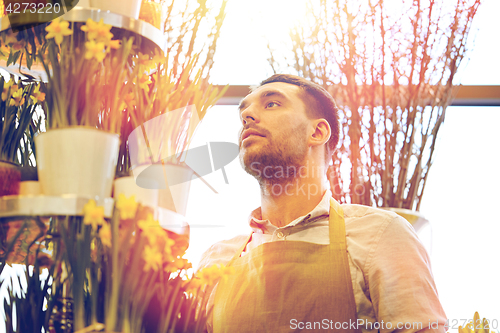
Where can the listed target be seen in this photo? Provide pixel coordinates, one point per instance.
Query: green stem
(114, 274)
(171, 303)
(201, 318)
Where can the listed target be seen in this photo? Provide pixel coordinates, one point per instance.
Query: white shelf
(71, 205)
(41, 205)
(152, 37)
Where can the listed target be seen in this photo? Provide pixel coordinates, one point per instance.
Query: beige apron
(283, 286)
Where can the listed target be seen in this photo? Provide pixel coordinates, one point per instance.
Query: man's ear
(321, 132)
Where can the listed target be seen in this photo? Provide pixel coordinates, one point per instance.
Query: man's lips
(250, 132)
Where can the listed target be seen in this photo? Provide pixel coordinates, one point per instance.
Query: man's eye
(271, 104)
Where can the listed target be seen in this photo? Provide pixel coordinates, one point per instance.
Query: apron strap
(337, 224)
(240, 250)
(339, 256)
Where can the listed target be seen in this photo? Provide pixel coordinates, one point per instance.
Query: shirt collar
(264, 226)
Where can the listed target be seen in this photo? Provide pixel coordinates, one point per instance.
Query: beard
(278, 160)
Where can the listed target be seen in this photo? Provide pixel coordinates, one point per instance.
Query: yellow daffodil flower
(17, 97)
(93, 214)
(128, 102)
(105, 234)
(89, 27)
(168, 245)
(114, 44)
(149, 224)
(152, 258)
(57, 30)
(143, 59)
(37, 96)
(95, 50)
(10, 84)
(126, 206)
(181, 263)
(193, 284)
(149, 228)
(209, 275)
(144, 81)
(98, 31)
(145, 63)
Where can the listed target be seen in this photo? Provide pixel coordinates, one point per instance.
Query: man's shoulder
(222, 252)
(354, 210)
(372, 217)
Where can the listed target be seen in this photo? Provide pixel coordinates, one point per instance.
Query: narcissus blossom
(128, 102)
(17, 98)
(95, 50)
(144, 81)
(5, 93)
(93, 215)
(152, 258)
(97, 31)
(105, 234)
(37, 96)
(57, 30)
(150, 228)
(126, 206)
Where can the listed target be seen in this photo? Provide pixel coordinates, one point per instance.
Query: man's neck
(283, 203)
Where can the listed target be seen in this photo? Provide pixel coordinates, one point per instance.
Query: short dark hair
(323, 106)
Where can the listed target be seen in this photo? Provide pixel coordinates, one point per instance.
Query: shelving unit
(149, 39)
(19, 206)
(146, 36)
(150, 36)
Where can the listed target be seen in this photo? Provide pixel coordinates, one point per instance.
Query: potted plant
(164, 116)
(17, 108)
(392, 71)
(86, 71)
(110, 274)
(170, 90)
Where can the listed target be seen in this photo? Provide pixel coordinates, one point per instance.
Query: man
(310, 263)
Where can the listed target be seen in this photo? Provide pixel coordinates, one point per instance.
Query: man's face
(274, 132)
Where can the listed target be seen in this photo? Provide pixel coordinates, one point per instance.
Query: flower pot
(29, 184)
(28, 173)
(151, 13)
(77, 160)
(10, 176)
(130, 8)
(128, 187)
(156, 176)
(29, 187)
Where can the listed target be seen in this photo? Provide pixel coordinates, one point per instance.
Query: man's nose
(248, 114)
(245, 121)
